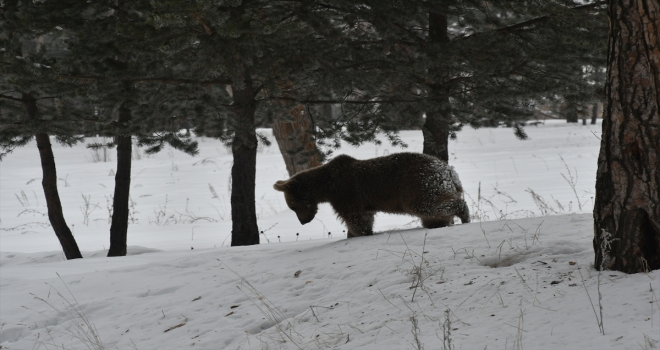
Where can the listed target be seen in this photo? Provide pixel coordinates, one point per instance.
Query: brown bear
(401, 183)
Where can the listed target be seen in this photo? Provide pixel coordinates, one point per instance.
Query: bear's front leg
(359, 223)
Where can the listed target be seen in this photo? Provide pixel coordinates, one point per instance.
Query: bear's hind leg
(437, 222)
(359, 223)
(444, 209)
(464, 215)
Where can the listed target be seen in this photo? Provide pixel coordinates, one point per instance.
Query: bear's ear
(280, 186)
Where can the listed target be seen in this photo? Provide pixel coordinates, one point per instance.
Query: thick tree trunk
(49, 184)
(120, 201)
(243, 172)
(436, 125)
(292, 133)
(627, 206)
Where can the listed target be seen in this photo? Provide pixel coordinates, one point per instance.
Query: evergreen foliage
(462, 62)
(226, 66)
(27, 72)
(376, 58)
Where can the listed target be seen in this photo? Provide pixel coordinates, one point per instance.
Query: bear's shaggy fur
(401, 183)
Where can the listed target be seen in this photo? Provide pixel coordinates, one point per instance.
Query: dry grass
(77, 325)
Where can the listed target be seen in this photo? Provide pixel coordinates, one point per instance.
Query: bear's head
(298, 200)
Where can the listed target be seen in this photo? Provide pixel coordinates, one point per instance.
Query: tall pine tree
(31, 104)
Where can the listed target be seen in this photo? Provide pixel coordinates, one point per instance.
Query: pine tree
(123, 79)
(627, 206)
(31, 106)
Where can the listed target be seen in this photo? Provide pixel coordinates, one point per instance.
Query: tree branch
(412, 35)
(199, 19)
(53, 121)
(223, 81)
(90, 78)
(11, 98)
(541, 19)
(325, 102)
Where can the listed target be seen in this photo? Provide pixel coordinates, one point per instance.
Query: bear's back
(385, 183)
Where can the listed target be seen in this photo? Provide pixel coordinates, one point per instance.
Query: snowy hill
(516, 279)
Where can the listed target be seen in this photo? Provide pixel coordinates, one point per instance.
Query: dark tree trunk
(594, 113)
(243, 172)
(49, 184)
(120, 201)
(627, 206)
(298, 148)
(436, 135)
(570, 113)
(436, 125)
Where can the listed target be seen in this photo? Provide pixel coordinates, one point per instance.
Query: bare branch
(325, 102)
(11, 98)
(525, 24)
(91, 78)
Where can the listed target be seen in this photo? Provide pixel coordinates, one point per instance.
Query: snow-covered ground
(514, 278)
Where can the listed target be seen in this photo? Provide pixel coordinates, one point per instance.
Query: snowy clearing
(517, 279)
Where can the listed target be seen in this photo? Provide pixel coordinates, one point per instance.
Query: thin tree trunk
(594, 113)
(120, 201)
(436, 133)
(627, 206)
(243, 171)
(292, 133)
(49, 184)
(437, 123)
(569, 111)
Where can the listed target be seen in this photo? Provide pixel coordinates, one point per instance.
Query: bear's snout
(305, 217)
(304, 220)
